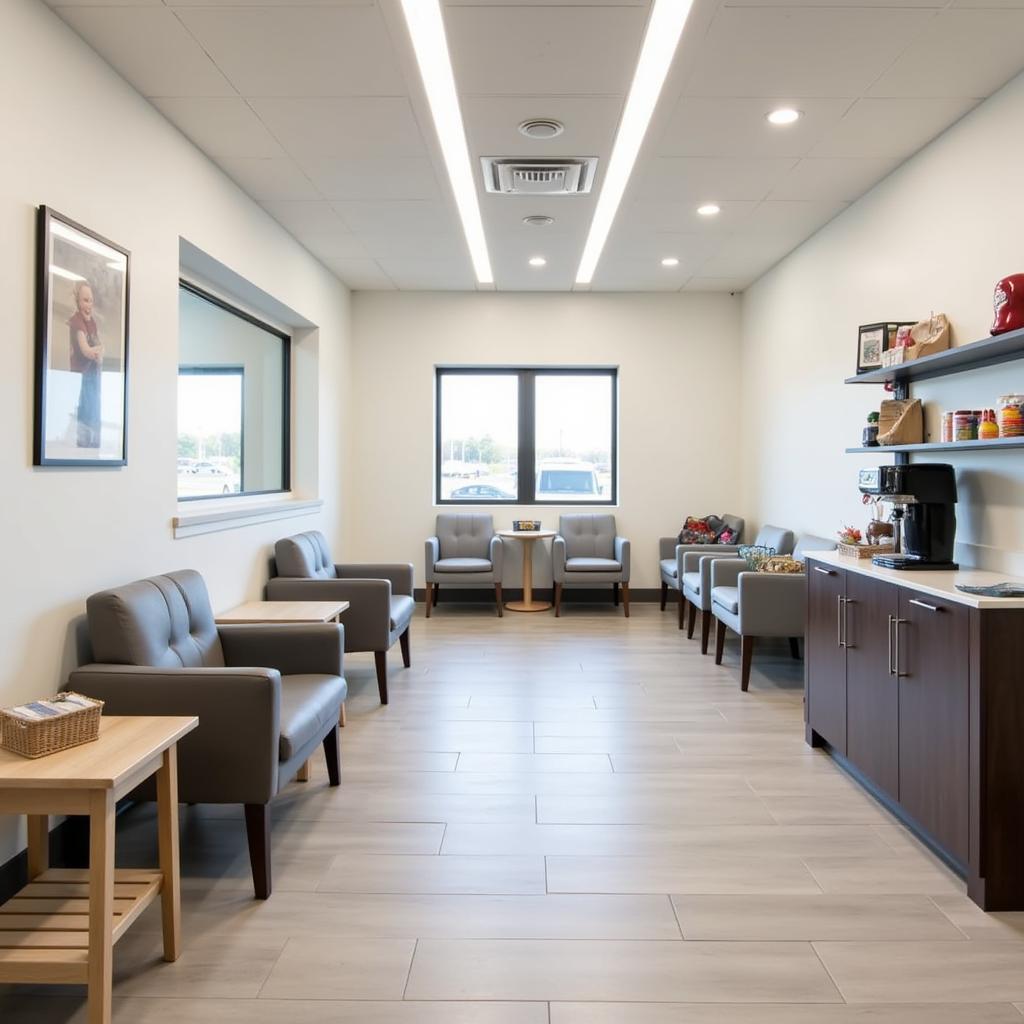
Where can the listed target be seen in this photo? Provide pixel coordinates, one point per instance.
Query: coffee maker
(923, 496)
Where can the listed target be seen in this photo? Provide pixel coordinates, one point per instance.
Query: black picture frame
(875, 339)
(81, 384)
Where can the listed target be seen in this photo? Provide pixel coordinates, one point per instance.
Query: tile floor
(571, 821)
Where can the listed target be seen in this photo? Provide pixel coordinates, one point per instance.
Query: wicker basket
(48, 735)
(865, 550)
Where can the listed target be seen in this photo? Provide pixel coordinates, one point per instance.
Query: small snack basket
(45, 726)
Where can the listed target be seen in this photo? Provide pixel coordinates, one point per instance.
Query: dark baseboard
(69, 847)
(485, 595)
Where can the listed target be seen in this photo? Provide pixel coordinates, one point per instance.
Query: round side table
(528, 538)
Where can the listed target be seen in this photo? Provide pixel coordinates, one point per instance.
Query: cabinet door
(824, 654)
(933, 661)
(872, 692)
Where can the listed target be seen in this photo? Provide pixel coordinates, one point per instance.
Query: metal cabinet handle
(924, 604)
(840, 609)
(824, 572)
(847, 601)
(892, 671)
(896, 666)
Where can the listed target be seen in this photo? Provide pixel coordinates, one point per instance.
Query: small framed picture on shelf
(872, 341)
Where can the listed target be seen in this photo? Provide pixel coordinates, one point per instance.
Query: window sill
(215, 518)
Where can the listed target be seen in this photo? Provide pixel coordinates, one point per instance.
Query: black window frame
(526, 480)
(286, 392)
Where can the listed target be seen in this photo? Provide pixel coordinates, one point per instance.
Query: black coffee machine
(923, 496)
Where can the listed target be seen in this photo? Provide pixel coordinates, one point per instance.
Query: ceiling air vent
(515, 177)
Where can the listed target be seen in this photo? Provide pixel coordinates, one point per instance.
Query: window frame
(286, 391)
(526, 428)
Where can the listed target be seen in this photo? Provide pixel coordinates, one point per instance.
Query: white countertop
(939, 583)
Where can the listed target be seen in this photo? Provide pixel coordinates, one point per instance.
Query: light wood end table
(528, 537)
(61, 928)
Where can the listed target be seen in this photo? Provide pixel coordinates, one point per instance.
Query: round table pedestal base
(528, 606)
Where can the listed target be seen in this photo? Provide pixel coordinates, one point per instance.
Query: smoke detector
(541, 128)
(538, 220)
(556, 177)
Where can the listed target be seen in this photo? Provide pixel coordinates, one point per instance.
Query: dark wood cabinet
(932, 658)
(872, 691)
(825, 656)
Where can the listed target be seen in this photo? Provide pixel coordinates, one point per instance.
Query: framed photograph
(872, 341)
(81, 386)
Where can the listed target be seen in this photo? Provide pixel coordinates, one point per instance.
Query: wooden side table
(61, 928)
(528, 537)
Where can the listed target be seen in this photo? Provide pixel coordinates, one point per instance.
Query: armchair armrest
(368, 620)
(302, 649)
(725, 572)
(432, 554)
(496, 553)
(558, 558)
(232, 756)
(622, 556)
(772, 604)
(667, 547)
(400, 574)
(689, 555)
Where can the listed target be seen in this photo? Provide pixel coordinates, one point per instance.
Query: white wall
(936, 235)
(678, 432)
(77, 138)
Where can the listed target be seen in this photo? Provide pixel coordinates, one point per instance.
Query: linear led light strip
(659, 47)
(426, 28)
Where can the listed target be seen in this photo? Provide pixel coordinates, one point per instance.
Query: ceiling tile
(373, 179)
(936, 64)
(305, 216)
(699, 180)
(299, 51)
(737, 126)
(264, 3)
(616, 275)
(791, 219)
(269, 179)
(801, 51)
(423, 274)
(363, 126)
(746, 256)
(150, 48)
(443, 248)
(839, 180)
(682, 218)
(716, 284)
(220, 126)
(360, 274)
(549, 50)
(398, 216)
(504, 214)
(333, 245)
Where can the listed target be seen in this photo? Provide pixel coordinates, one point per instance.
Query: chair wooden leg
(437, 590)
(705, 630)
(498, 600)
(625, 598)
(257, 828)
(794, 647)
(403, 642)
(691, 619)
(615, 594)
(746, 653)
(719, 641)
(664, 594)
(342, 718)
(682, 610)
(380, 660)
(332, 751)
(430, 597)
(558, 600)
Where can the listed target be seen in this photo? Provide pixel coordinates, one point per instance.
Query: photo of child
(86, 357)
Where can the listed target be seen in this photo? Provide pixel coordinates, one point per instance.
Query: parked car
(481, 491)
(568, 478)
(204, 468)
(186, 465)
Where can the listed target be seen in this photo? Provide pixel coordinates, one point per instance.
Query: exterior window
(232, 401)
(521, 436)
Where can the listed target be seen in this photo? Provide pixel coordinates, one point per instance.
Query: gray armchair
(158, 651)
(381, 598)
(464, 550)
(673, 565)
(586, 552)
(758, 604)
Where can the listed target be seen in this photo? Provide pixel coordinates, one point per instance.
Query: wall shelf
(943, 446)
(989, 352)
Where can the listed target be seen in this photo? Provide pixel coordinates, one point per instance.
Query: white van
(567, 478)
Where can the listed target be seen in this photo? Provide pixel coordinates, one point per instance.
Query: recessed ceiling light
(784, 115)
(541, 128)
(664, 27)
(670, 261)
(538, 220)
(709, 209)
(538, 261)
(426, 28)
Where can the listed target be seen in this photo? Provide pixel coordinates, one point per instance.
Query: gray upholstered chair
(673, 564)
(759, 604)
(380, 596)
(587, 552)
(158, 651)
(464, 551)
